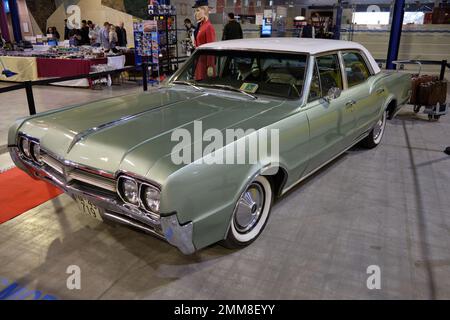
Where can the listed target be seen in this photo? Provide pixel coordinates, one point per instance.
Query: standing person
(189, 39)
(85, 33)
(232, 29)
(206, 34)
(104, 36)
(75, 38)
(66, 30)
(112, 37)
(308, 30)
(94, 34)
(56, 33)
(121, 35)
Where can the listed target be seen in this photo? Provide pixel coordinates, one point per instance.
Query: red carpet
(20, 193)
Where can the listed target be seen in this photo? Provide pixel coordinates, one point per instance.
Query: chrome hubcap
(249, 208)
(378, 129)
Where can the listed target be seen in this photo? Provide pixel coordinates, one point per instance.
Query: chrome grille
(71, 173)
(91, 179)
(53, 163)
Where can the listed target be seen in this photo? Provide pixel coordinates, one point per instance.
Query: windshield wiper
(231, 88)
(188, 83)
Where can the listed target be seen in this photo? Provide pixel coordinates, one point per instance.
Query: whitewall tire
(376, 134)
(251, 214)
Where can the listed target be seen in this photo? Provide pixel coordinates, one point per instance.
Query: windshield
(268, 73)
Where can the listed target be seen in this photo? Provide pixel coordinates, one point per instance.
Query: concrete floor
(387, 207)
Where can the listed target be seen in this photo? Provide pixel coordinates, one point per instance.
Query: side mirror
(333, 93)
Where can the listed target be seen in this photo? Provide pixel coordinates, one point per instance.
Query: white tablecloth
(117, 62)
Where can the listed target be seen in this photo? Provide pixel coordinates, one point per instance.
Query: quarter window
(329, 73)
(315, 92)
(355, 68)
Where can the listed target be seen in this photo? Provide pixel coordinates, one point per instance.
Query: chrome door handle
(350, 104)
(380, 90)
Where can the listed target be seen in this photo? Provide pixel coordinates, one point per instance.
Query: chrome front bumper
(112, 208)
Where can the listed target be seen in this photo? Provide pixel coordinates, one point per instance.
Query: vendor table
(54, 68)
(25, 67)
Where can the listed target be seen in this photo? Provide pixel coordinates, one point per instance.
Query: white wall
(95, 11)
(422, 42)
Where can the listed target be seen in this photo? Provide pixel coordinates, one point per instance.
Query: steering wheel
(291, 85)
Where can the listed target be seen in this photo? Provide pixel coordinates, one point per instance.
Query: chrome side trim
(321, 166)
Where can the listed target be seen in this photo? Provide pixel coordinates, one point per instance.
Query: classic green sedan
(128, 159)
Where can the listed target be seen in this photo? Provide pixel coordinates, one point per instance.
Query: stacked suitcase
(430, 92)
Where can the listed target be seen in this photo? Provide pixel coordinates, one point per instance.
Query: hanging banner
(213, 6)
(220, 6)
(259, 19)
(268, 13)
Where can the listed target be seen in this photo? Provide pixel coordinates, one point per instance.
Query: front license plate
(88, 208)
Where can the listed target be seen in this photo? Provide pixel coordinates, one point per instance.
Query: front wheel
(375, 136)
(250, 214)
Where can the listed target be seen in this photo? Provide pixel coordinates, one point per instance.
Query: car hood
(132, 133)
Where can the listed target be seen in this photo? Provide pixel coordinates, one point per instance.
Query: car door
(365, 103)
(330, 120)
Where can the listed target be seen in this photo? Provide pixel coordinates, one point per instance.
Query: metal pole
(396, 32)
(144, 76)
(443, 66)
(30, 97)
(337, 30)
(14, 10)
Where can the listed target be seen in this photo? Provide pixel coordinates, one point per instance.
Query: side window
(329, 72)
(355, 68)
(315, 91)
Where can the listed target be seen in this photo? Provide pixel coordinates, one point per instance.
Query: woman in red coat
(205, 34)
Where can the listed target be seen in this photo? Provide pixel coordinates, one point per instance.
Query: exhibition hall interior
(224, 150)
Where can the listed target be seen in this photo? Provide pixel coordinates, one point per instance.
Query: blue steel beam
(15, 20)
(337, 27)
(396, 32)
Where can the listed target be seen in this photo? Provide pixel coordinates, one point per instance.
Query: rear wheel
(375, 136)
(250, 214)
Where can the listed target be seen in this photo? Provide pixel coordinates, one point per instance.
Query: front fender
(206, 195)
(12, 132)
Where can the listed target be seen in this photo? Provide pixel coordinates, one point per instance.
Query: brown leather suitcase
(435, 93)
(417, 97)
(424, 93)
(414, 90)
(443, 92)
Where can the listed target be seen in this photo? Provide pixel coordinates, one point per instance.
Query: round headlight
(151, 199)
(36, 152)
(130, 191)
(25, 146)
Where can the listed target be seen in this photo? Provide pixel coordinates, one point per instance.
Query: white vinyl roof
(301, 45)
